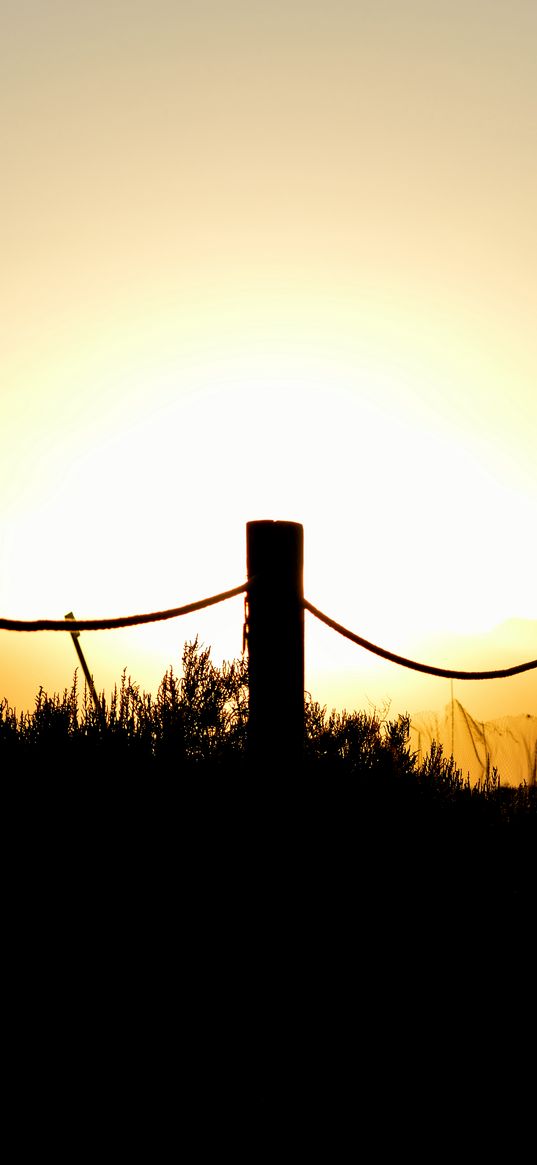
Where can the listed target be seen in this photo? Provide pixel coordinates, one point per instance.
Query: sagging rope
(447, 673)
(111, 624)
(174, 612)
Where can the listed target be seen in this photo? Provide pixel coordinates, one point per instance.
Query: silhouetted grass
(160, 883)
(200, 719)
(359, 785)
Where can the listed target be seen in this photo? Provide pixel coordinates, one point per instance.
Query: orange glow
(278, 264)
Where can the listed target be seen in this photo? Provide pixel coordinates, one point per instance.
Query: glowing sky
(270, 260)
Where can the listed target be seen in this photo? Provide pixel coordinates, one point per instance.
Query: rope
(110, 624)
(71, 625)
(500, 674)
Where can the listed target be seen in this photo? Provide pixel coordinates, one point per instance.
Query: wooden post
(275, 636)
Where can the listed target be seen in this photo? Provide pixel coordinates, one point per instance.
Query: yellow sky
(270, 261)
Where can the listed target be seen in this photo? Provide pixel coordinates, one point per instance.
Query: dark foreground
(236, 946)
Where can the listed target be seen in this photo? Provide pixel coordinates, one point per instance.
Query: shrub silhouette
(199, 720)
(266, 911)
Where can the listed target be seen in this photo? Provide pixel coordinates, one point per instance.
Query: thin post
(275, 636)
(75, 636)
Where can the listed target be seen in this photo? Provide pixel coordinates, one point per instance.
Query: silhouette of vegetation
(146, 850)
(200, 716)
(199, 719)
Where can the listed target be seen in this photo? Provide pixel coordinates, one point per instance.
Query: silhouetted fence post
(275, 636)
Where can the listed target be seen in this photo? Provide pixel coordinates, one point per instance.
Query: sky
(271, 261)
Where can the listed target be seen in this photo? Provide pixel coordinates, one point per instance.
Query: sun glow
(287, 275)
(401, 517)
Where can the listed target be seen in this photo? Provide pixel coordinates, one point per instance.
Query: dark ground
(244, 947)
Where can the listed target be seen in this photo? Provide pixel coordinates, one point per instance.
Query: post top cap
(274, 522)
